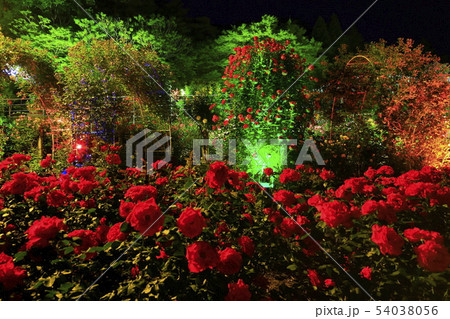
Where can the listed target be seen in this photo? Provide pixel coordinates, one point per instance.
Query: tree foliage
(30, 70)
(100, 84)
(404, 88)
(158, 32)
(268, 27)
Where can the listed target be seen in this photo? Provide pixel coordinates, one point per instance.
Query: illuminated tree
(404, 88)
(255, 105)
(101, 84)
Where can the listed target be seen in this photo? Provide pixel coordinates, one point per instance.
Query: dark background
(424, 21)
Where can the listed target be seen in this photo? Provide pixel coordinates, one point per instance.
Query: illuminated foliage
(406, 91)
(99, 80)
(255, 105)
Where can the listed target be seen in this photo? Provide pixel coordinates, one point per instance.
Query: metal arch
(359, 56)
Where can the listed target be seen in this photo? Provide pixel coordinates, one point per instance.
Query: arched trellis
(36, 72)
(33, 76)
(109, 84)
(357, 60)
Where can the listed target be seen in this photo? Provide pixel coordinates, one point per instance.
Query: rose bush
(211, 233)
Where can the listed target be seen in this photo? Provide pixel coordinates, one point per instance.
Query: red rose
(284, 197)
(335, 213)
(432, 256)
(397, 201)
(326, 175)
(159, 164)
(238, 292)
(102, 231)
(443, 196)
(36, 193)
(289, 175)
(297, 209)
(268, 171)
(85, 187)
(19, 184)
(387, 239)
(230, 261)
(146, 217)
(244, 175)
(420, 189)
(88, 239)
(113, 159)
(315, 201)
(222, 227)
(370, 173)
(247, 245)
(385, 170)
(87, 173)
(369, 207)
(314, 277)
(366, 272)
(125, 208)
(386, 212)
(288, 227)
(19, 158)
(343, 193)
(56, 198)
(191, 222)
(250, 198)
(42, 230)
(356, 184)
(201, 256)
(431, 174)
(415, 234)
(90, 203)
(134, 271)
(10, 275)
(162, 255)
(161, 181)
(141, 193)
(114, 233)
(47, 162)
(217, 175)
(233, 179)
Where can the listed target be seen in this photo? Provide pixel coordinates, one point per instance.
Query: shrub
(221, 236)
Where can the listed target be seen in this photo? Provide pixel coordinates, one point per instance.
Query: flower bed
(211, 233)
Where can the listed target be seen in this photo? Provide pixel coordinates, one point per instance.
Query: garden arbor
(354, 96)
(404, 94)
(103, 85)
(105, 82)
(27, 75)
(31, 70)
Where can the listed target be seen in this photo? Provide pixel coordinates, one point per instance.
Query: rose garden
(77, 223)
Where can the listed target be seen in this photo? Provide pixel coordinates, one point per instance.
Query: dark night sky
(388, 19)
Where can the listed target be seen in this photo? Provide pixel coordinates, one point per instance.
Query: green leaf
(125, 227)
(19, 256)
(49, 281)
(64, 287)
(292, 267)
(68, 250)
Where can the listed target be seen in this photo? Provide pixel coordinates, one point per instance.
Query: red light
(79, 146)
